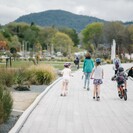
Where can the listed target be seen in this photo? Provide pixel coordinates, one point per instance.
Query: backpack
(116, 64)
(120, 78)
(76, 61)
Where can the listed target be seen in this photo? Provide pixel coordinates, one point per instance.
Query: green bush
(41, 74)
(108, 61)
(6, 104)
(7, 76)
(20, 76)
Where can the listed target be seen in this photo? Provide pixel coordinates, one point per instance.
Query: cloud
(9, 14)
(80, 10)
(104, 9)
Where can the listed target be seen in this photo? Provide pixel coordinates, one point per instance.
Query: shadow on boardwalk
(78, 112)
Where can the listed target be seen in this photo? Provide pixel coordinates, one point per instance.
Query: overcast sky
(110, 10)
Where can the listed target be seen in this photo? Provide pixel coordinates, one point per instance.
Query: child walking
(66, 72)
(97, 74)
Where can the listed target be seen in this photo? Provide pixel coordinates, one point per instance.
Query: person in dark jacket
(130, 72)
(87, 69)
(76, 62)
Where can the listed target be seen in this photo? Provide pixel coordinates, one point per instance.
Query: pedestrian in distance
(66, 72)
(76, 62)
(87, 69)
(117, 63)
(130, 72)
(97, 75)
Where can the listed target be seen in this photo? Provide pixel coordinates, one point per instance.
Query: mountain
(128, 23)
(59, 18)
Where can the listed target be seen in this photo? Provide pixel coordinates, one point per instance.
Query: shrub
(20, 76)
(6, 104)
(7, 76)
(21, 79)
(108, 61)
(41, 74)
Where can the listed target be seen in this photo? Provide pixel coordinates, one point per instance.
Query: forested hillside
(59, 18)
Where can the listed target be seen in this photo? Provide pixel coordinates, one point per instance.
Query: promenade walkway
(78, 112)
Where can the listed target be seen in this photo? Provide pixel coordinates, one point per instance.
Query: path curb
(17, 127)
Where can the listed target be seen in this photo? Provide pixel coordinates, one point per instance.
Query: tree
(93, 34)
(63, 43)
(14, 43)
(115, 30)
(45, 37)
(2, 38)
(71, 33)
(130, 41)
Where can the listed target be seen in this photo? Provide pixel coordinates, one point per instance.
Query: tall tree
(115, 30)
(71, 33)
(45, 37)
(63, 43)
(14, 43)
(129, 46)
(93, 34)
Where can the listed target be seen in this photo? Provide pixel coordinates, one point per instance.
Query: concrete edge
(17, 127)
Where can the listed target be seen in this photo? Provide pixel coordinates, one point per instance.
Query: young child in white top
(97, 74)
(66, 72)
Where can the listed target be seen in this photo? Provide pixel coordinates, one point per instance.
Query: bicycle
(123, 92)
(121, 86)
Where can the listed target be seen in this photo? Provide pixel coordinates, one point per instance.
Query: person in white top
(66, 72)
(97, 75)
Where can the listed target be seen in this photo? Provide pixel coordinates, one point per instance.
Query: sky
(110, 10)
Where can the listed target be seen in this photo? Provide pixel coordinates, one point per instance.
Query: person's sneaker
(61, 94)
(84, 87)
(93, 97)
(98, 98)
(88, 89)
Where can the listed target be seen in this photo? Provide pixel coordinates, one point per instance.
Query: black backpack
(120, 79)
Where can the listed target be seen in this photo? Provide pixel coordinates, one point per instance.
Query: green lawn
(59, 65)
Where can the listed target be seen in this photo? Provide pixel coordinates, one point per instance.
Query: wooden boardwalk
(78, 112)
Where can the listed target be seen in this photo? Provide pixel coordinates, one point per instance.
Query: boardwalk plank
(79, 113)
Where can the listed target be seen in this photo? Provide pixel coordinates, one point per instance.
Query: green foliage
(62, 42)
(7, 76)
(71, 33)
(41, 74)
(20, 76)
(59, 18)
(14, 44)
(33, 60)
(2, 37)
(45, 36)
(6, 104)
(93, 34)
(43, 77)
(115, 30)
